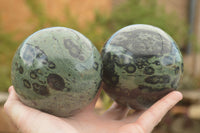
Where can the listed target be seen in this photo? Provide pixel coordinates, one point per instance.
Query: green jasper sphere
(57, 70)
(141, 64)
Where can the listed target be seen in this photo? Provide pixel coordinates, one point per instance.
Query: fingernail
(10, 89)
(179, 94)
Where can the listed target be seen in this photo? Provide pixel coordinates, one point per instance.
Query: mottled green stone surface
(57, 70)
(141, 64)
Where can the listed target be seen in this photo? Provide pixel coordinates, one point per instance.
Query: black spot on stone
(75, 51)
(157, 63)
(26, 83)
(182, 67)
(96, 66)
(146, 57)
(33, 74)
(40, 89)
(51, 65)
(152, 79)
(56, 82)
(42, 82)
(38, 71)
(21, 70)
(177, 69)
(68, 43)
(130, 68)
(148, 70)
(162, 79)
(167, 61)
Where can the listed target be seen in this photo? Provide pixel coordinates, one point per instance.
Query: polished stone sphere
(141, 64)
(57, 70)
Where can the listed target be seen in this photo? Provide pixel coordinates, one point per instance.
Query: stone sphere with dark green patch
(141, 64)
(57, 70)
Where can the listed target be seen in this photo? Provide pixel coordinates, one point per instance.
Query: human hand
(114, 120)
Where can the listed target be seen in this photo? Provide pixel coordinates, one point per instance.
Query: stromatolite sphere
(141, 64)
(57, 70)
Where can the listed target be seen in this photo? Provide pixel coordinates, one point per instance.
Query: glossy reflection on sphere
(141, 64)
(57, 70)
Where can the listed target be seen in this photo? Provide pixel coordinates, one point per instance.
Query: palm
(114, 120)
